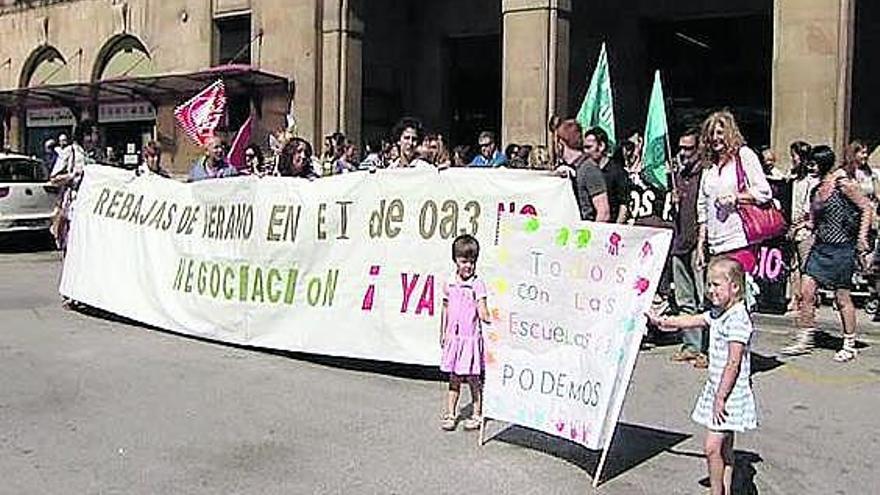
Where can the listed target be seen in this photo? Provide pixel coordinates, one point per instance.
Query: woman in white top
(804, 180)
(721, 230)
(855, 162)
(408, 133)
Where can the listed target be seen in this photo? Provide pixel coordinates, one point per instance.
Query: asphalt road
(91, 405)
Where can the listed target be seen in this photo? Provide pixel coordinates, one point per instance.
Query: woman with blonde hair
(726, 158)
(539, 158)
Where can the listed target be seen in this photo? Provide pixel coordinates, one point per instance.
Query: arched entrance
(44, 67)
(122, 55)
(127, 123)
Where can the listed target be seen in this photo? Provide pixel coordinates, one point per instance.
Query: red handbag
(761, 222)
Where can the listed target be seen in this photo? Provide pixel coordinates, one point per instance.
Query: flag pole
(671, 169)
(670, 166)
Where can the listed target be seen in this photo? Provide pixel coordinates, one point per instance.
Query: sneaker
(683, 356)
(448, 422)
(803, 343)
(701, 361)
(796, 349)
(472, 423)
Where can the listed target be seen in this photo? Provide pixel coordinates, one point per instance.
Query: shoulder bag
(760, 222)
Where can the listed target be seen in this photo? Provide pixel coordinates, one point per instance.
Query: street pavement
(92, 405)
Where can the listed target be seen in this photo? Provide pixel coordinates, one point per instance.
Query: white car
(26, 197)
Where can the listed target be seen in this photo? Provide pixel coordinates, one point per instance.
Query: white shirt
(416, 163)
(800, 202)
(70, 160)
(724, 227)
(866, 179)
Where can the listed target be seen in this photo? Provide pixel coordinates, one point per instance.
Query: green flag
(597, 110)
(654, 157)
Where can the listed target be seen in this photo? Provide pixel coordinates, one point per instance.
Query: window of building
(232, 40)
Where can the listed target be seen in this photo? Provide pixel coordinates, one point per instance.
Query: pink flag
(200, 115)
(235, 157)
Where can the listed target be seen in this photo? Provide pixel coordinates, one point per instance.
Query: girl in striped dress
(726, 404)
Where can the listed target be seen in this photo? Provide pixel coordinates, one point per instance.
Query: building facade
(790, 69)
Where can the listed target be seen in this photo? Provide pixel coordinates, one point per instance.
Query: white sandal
(848, 352)
(845, 355)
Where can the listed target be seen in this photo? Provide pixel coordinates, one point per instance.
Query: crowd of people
(408, 146)
(830, 232)
(714, 177)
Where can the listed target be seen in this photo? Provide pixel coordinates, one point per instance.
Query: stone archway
(123, 55)
(45, 65)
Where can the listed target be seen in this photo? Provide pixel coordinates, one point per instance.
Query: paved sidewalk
(90, 405)
(827, 320)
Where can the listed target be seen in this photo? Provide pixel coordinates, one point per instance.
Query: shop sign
(50, 117)
(126, 112)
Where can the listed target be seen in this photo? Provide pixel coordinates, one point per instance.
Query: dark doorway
(36, 137)
(713, 63)
(123, 141)
(474, 87)
(865, 102)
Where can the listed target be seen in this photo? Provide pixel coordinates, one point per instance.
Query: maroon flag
(200, 116)
(235, 157)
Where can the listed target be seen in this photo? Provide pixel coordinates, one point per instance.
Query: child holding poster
(461, 336)
(727, 404)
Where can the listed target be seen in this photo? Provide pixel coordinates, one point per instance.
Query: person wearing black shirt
(587, 181)
(616, 180)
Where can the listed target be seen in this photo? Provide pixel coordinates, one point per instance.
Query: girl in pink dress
(461, 336)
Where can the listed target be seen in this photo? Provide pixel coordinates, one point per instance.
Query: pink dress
(463, 349)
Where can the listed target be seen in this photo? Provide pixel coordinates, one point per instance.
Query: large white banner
(349, 265)
(568, 302)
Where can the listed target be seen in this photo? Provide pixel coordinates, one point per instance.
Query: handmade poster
(567, 301)
(349, 265)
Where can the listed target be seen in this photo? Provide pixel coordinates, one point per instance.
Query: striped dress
(734, 325)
